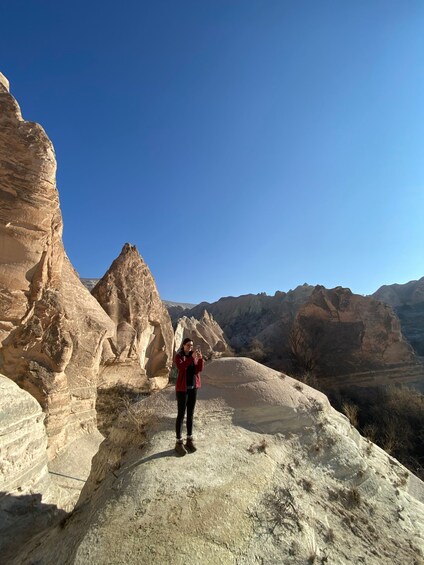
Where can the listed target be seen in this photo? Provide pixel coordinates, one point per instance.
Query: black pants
(185, 400)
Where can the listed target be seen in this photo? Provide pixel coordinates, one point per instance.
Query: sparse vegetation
(283, 510)
(307, 485)
(393, 418)
(277, 513)
(351, 411)
(351, 498)
(133, 412)
(329, 536)
(260, 447)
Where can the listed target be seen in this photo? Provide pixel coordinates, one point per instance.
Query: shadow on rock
(21, 518)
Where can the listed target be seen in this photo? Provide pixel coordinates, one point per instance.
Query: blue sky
(243, 146)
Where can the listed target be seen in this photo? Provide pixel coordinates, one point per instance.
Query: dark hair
(186, 340)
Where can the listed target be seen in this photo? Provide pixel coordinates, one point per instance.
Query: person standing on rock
(189, 365)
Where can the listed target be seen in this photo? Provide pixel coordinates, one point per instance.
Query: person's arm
(182, 362)
(199, 365)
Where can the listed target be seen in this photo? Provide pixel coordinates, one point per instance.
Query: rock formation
(407, 300)
(28, 496)
(254, 316)
(205, 333)
(342, 332)
(51, 329)
(139, 356)
(23, 441)
(279, 477)
(326, 333)
(407, 294)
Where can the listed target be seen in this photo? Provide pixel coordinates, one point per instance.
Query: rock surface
(51, 329)
(29, 499)
(138, 357)
(279, 477)
(407, 300)
(205, 333)
(345, 332)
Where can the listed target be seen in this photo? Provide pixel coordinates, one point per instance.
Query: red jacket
(182, 363)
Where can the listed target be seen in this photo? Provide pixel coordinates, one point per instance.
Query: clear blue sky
(243, 146)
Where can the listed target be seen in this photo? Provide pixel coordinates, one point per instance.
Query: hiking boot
(189, 445)
(180, 449)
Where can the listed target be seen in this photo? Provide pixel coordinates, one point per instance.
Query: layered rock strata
(51, 329)
(29, 499)
(205, 333)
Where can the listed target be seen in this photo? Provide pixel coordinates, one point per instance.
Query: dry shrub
(351, 411)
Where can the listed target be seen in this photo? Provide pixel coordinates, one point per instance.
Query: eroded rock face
(28, 498)
(51, 329)
(205, 332)
(344, 332)
(279, 477)
(139, 356)
(23, 441)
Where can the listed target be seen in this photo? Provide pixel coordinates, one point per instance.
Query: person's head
(186, 346)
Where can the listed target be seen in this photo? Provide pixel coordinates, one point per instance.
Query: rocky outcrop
(279, 477)
(139, 356)
(29, 500)
(407, 300)
(345, 332)
(23, 441)
(51, 329)
(205, 333)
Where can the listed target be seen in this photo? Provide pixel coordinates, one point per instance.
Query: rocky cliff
(345, 332)
(279, 477)
(51, 329)
(407, 300)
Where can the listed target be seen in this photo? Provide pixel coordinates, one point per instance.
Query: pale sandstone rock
(51, 329)
(23, 441)
(205, 332)
(29, 499)
(141, 351)
(260, 489)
